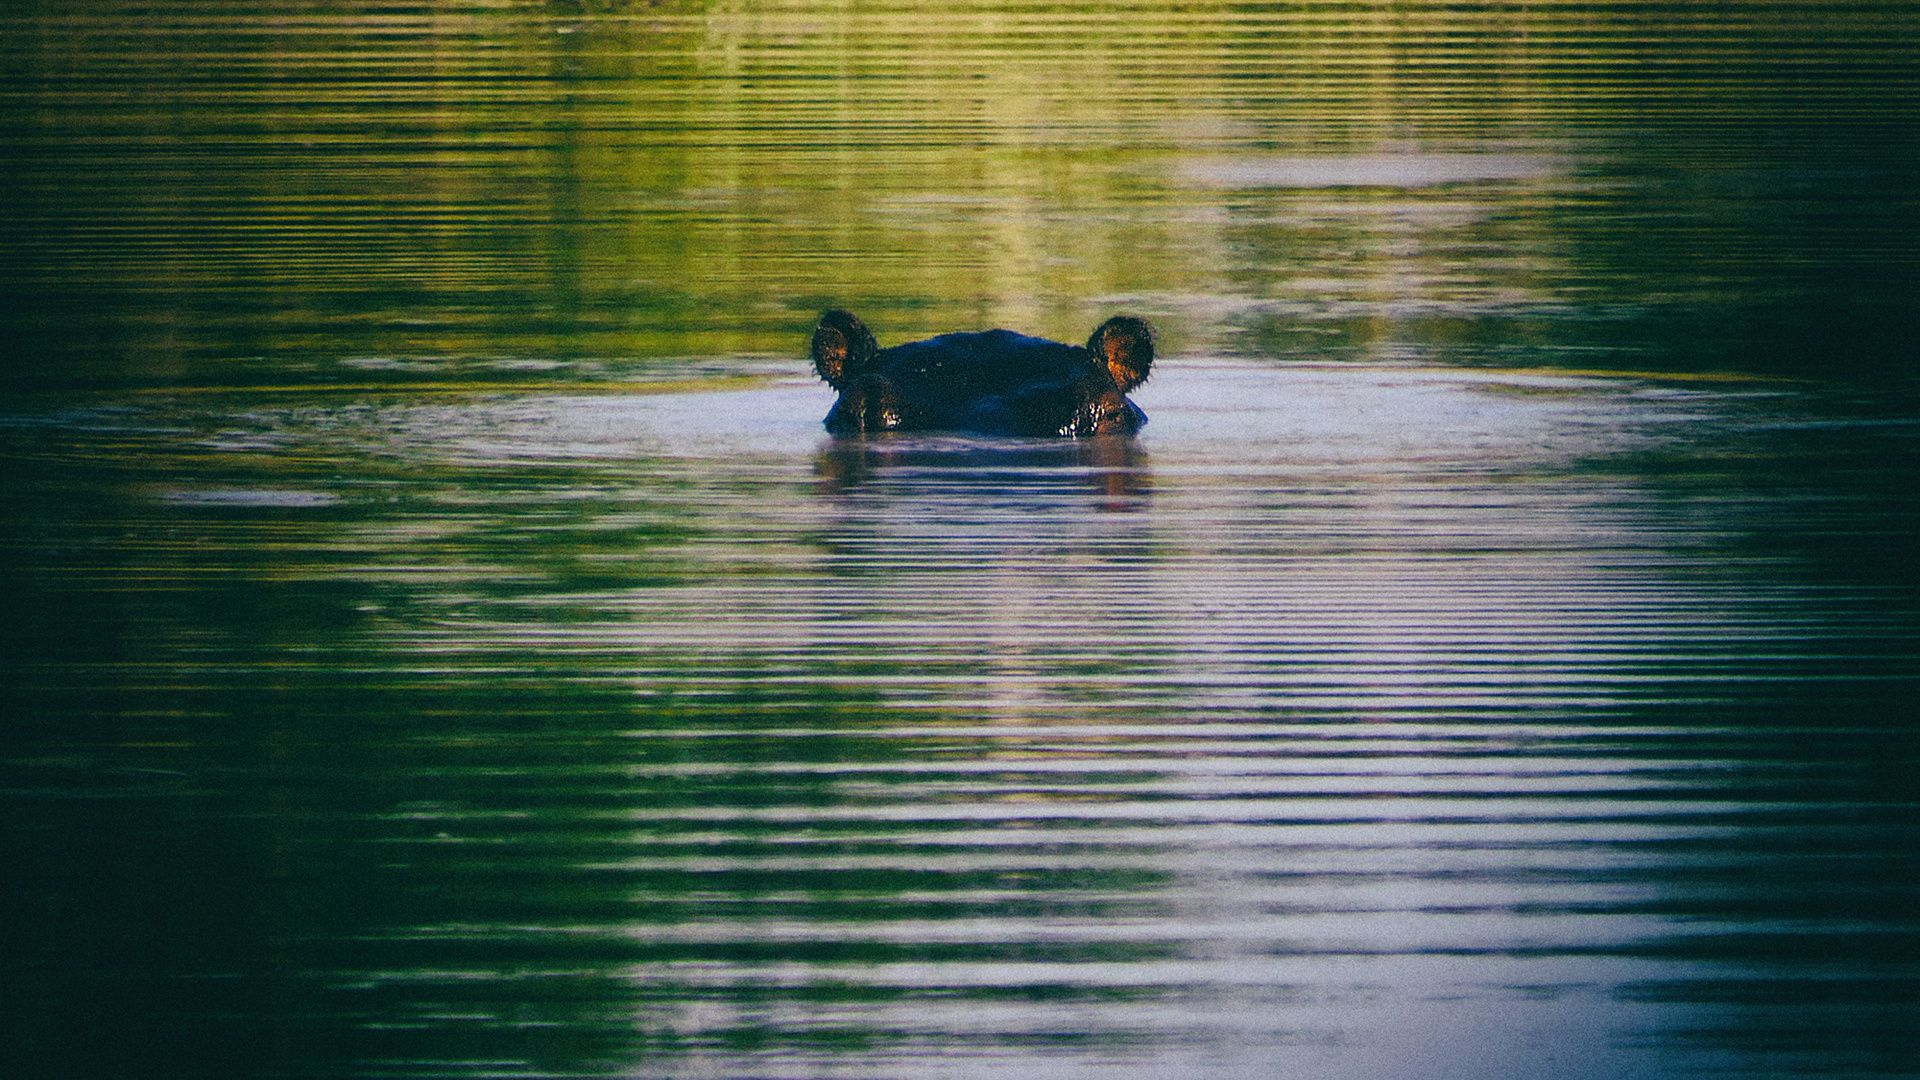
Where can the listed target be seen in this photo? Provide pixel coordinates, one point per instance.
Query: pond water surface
(441, 641)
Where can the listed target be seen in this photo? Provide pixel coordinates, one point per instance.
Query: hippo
(992, 383)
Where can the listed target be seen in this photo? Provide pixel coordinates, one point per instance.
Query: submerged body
(995, 382)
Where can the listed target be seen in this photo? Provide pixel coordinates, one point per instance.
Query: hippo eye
(1098, 419)
(829, 354)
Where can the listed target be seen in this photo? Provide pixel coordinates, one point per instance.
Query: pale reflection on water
(1410, 169)
(1353, 721)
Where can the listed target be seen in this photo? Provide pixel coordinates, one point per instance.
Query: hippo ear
(1125, 345)
(842, 347)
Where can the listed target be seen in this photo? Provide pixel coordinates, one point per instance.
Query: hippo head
(994, 383)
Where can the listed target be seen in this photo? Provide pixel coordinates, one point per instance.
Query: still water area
(440, 640)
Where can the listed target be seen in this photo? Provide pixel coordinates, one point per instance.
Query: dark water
(440, 640)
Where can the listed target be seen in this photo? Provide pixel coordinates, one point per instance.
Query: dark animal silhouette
(994, 383)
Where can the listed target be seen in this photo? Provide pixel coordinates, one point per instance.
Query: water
(441, 640)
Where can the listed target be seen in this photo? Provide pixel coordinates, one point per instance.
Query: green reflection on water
(249, 194)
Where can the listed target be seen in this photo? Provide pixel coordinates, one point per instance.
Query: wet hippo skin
(996, 382)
